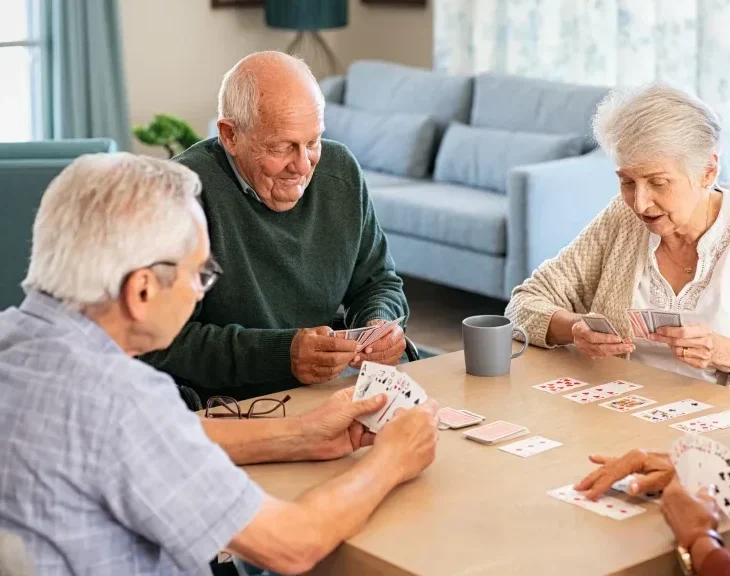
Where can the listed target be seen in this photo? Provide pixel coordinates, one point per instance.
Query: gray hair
(238, 97)
(635, 125)
(104, 216)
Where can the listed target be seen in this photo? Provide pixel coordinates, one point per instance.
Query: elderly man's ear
(227, 134)
(140, 289)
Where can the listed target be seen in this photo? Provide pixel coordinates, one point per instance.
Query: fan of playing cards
(369, 334)
(701, 461)
(402, 392)
(643, 321)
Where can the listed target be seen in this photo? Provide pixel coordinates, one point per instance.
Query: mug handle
(526, 344)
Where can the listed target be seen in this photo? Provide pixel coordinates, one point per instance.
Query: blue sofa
(476, 180)
(26, 169)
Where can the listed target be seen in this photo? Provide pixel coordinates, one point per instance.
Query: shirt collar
(247, 189)
(56, 312)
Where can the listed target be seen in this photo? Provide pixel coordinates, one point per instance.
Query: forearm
(708, 562)
(231, 356)
(560, 329)
(292, 537)
(262, 439)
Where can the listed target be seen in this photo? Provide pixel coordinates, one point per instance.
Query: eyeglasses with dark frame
(261, 408)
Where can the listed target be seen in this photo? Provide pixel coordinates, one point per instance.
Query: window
(21, 70)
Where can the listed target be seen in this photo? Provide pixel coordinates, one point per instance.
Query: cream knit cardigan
(598, 272)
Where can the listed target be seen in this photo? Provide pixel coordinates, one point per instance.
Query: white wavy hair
(104, 216)
(238, 97)
(637, 124)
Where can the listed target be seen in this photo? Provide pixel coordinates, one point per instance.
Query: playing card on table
(673, 410)
(451, 418)
(605, 506)
(599, 323)
(530, 446)
(496, 432)
(623, 486)
(627, 403)
(559, 385)
(704, 423)
(602, 392)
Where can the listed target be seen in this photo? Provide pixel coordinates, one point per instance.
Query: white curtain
(602, 42)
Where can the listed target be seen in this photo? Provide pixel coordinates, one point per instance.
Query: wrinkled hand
(317, 357)
(331, 428)
(654, 471)
(388, 350)
(410, 439)
(689, 517)
(693, 344)
(597, 345)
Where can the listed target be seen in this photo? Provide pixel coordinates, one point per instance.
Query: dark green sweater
(281, 271)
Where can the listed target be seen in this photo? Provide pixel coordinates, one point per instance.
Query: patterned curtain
(602, 42)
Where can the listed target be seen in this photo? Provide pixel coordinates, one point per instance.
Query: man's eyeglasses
(208, 273)
(261, 408)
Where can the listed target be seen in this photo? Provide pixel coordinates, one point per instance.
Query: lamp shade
(306, 14)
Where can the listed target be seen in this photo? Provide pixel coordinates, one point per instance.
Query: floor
(437, 312)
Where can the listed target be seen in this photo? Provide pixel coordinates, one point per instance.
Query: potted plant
(170, 132)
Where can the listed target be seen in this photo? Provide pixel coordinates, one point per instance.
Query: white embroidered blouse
(702, 300)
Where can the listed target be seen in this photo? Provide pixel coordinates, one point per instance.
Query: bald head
(263, 85)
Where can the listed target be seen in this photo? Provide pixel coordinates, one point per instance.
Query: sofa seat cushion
(396, 143)
(458, 216)
(521, 104)
(375, 178)
(483, 157)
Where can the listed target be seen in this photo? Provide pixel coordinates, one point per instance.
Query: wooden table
(478, 510)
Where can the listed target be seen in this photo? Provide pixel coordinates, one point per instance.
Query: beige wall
(175, 58)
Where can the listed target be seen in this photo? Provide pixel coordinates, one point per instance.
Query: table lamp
(308, 17)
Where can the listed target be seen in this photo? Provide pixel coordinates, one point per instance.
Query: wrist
(388, 460)
(701, 548)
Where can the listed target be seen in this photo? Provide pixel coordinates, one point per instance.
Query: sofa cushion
(333, 89)
(374, 178)
(387, 87)
(483, 157)
(522, 104)
(444, 213)
(401, 144)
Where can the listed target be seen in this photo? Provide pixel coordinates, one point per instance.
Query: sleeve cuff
(276, 345)
(375, 314)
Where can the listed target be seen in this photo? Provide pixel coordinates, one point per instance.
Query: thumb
(322, 331)
(652, 482)
(368, 406)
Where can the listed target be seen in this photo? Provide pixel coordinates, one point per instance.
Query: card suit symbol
(408, 394)
(623, 511)
(722, 475)
(727, 502)
(599, 389)
(416, 402)
(609, 505)
(694, 404)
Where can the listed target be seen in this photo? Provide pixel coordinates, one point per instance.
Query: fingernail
(357, 359)
(633, 488)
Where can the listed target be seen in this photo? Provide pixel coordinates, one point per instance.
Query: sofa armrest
(548, 205)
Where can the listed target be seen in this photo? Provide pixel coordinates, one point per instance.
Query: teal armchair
(26, 169)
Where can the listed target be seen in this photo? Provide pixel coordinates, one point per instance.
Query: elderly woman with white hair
(662, 243)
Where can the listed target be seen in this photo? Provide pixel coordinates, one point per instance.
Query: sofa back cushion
(483, 158)
(333, 89)
(386, 87)
(522, 104)
(401, 144)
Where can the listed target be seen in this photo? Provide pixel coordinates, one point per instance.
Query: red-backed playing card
(458, 418)
(496, 432)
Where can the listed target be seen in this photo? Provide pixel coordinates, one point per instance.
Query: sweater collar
(245, 186)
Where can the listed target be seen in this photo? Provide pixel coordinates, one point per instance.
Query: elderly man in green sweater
(293, 243)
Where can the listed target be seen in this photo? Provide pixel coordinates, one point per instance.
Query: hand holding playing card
(598, 345)
(689, 517)
(694, 344)
(331, 429)
(655, 468)
(409, 439)
(317, 356)
(387, 350)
